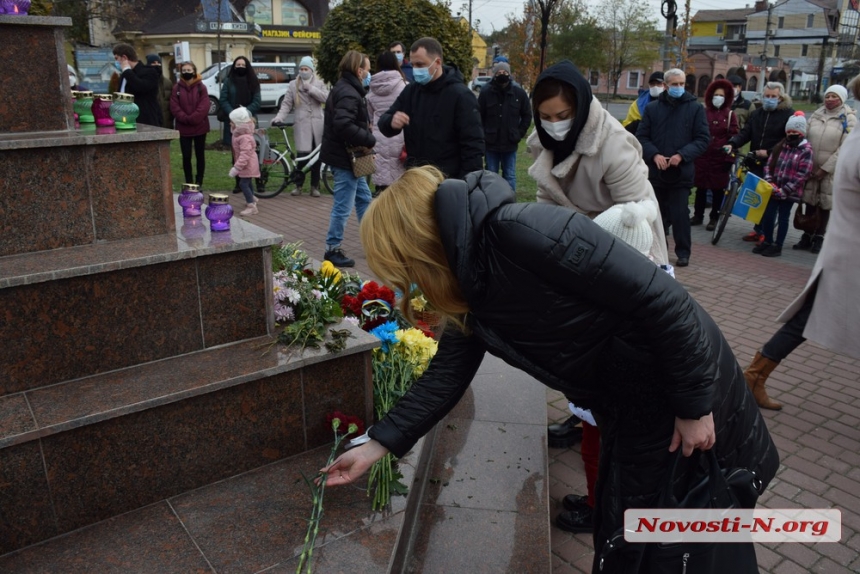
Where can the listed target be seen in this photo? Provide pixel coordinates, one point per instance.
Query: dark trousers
(790, 336)
(823, 218)
(199, 143)
(675, 211)
(701, 202)
(315, 168)
(777, 210)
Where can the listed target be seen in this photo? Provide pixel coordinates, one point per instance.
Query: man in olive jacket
(673, 133)
(438, 115)
(506, 116)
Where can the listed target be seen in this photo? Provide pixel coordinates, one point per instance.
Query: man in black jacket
(506, 117)
(141, 82)
(673, 133)
(438, 115)
(764, 129)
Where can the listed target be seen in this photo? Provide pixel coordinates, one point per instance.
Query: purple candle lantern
(6, 7)
(19, 7)
(190, 199)
(219, 212)
(101, 110)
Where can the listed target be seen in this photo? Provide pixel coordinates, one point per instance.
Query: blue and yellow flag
(752, 198)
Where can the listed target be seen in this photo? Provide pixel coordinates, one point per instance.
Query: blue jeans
(780, 208)
(348, 191)
(247, 190)
(509, 165)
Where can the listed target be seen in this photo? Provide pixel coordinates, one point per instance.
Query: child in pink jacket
(246, 165)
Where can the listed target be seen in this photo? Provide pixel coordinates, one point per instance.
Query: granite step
(97, 308)
(78, 452)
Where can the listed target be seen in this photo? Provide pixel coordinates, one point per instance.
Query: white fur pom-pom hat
(631, 223)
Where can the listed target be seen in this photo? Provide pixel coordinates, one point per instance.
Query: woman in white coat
(305, 98)
(583, 158)
(827, 311)
(828, 127)
(385, 85)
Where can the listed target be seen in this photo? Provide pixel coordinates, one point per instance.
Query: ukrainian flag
(752, 198)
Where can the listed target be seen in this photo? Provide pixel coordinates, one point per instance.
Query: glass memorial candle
(219, 212)
(101, 110)
(191, 199)
(83, 106)
(124, 111)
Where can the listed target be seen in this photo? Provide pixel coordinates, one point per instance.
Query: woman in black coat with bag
(550, 292)
(346, 127)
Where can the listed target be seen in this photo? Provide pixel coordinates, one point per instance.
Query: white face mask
(718, 101)
(557, 130)
(655, 91)
(306, 76)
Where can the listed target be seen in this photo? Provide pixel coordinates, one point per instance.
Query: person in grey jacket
(673, 133)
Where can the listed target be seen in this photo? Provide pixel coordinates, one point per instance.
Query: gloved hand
(234, 172)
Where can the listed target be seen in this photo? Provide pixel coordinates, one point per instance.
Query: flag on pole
(752, 198)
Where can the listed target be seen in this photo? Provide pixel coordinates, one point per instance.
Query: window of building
(810, 21)
(294, 14)
(776, 51)
(781, 22)
(804, 50)
(594, 78)
(720, 28)
(632, 80)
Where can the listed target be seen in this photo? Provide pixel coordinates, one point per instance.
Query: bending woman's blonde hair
(401, 240)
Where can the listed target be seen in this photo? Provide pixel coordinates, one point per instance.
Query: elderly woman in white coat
(827, 310)
(385, 85)
(828, 127)
(583, 158)
(305, 98)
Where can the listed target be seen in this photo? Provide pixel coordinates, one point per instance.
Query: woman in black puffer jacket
(553, 294)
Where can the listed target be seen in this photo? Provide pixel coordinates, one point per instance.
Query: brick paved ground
(817, 432)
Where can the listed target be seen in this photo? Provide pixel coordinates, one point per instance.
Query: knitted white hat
(839, 91)
(241, 115)
(631, 223)
(307, 61)
(796, 123)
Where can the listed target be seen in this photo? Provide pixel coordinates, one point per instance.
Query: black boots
(804, 244)
(817, 243)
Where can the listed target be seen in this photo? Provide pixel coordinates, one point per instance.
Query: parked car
(273, 76)
(479, 83)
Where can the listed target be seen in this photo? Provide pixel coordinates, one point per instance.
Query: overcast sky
(492, 13)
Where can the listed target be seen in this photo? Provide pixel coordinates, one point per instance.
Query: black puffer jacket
(669, 126)
(346, 123)
(444, 125)
(553, 294)
(763, 130)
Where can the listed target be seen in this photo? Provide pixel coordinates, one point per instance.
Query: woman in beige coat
(589, 162)
(827, 311)
(305, 97)
(828, 127)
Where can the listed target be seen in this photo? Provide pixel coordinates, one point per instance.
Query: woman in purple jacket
(189, 104)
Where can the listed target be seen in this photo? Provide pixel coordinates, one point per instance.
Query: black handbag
(720, 488)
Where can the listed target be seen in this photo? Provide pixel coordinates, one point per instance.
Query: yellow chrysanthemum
(329, 270)
(417, 347)
(418, 303)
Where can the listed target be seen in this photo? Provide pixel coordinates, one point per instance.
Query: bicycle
(740, 168)
(280, 169)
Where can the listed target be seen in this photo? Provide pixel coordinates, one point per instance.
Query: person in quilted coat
(550, 292)
(385, 85)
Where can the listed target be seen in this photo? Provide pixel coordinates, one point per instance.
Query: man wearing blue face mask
(399, 51)
(437, 114)
(763, 130)
(673, 133)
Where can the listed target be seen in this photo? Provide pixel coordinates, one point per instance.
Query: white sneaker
(250, 210)
(315, 192)
(297, 191)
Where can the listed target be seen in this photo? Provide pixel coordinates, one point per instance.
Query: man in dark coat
(165, 86)
(438, 115)
(740, 105)
(141, 82)
(506, 116)
(763, 130)
(550, 292)
(673, 133)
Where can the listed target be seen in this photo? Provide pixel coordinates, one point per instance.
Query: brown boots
(756, 375)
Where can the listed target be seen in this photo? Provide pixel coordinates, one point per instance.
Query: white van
(273, 77)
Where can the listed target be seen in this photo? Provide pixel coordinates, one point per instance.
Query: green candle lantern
(83, 106)
(124, 111)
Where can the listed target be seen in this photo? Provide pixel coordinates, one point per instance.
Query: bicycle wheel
(327, 178)
(725, 211)
(274, 176)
